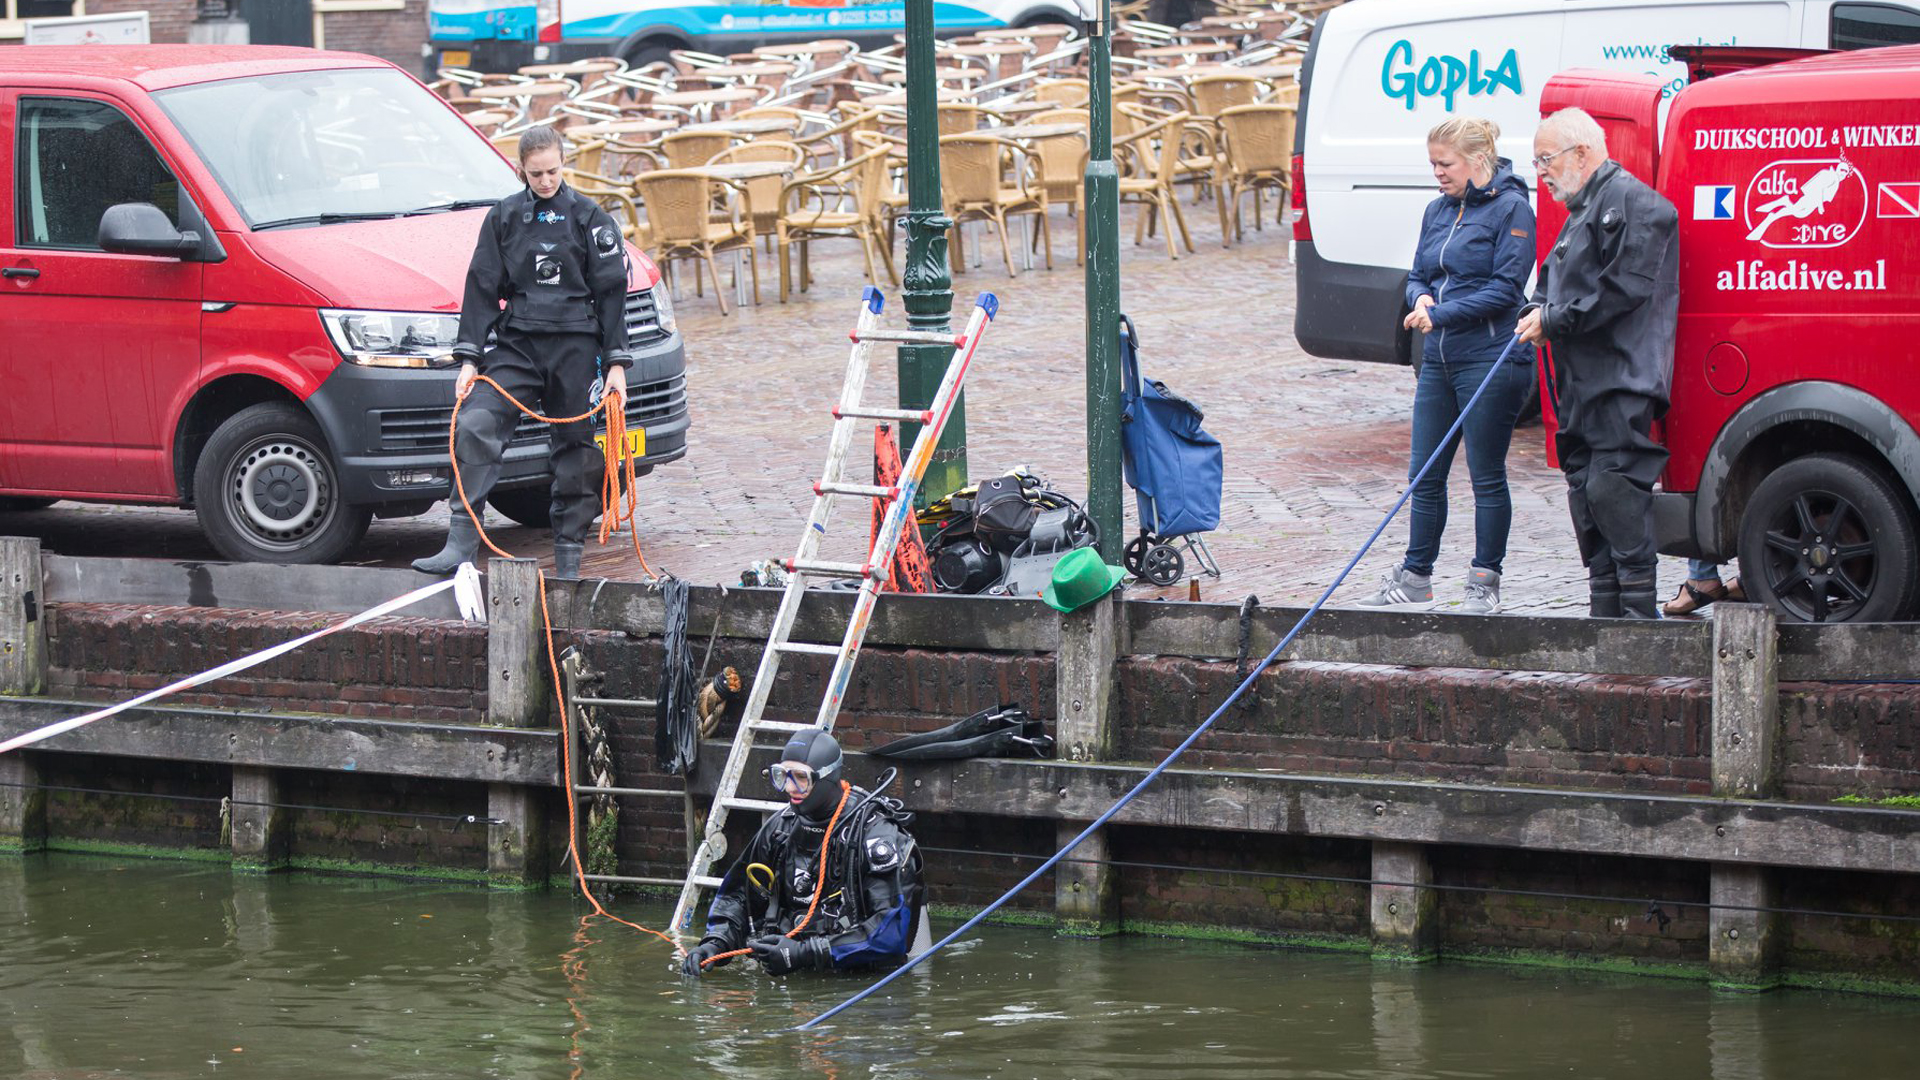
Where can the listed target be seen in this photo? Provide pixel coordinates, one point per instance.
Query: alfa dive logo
(1806, 203)
(1444, 76)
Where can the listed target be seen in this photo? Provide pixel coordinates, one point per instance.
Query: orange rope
(616, 451)
(819, 878)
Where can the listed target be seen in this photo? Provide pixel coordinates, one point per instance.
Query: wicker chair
(763, 194)
(1150, 161)
(1214, 94)
(1067, 93)
(617, 200)
(814, 207)
(692, 149)
(1061, 161)
(681, 227)
(973, 181)
(1259, 154)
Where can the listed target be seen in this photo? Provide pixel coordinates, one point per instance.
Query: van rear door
(101, 347)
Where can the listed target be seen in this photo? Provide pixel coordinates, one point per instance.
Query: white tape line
(229, 668)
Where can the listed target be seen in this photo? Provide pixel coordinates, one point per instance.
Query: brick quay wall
(1275, 865)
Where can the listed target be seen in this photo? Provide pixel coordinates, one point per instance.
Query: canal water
(121, 968)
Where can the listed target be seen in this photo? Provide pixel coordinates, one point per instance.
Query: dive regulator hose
(1154, 773)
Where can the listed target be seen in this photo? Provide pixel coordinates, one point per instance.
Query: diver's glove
(695, 963)
(779, 954)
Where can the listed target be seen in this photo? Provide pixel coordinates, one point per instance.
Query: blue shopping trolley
(1173, 467)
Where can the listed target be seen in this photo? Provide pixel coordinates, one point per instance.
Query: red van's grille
(643, 322)
(425, 429)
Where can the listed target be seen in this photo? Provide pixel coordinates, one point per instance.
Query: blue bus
(501, 35)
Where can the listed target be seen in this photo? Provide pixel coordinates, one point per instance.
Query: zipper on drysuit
(1447, 275)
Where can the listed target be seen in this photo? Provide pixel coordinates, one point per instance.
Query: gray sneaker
(1401, 587)
(1483, 593)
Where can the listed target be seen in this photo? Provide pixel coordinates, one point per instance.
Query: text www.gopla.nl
(1661, 54)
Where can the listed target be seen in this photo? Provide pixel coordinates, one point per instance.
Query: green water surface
(117, 968)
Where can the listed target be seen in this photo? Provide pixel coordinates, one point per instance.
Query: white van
(1380, 73)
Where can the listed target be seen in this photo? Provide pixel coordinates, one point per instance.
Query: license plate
(636, 443)
(456, 58)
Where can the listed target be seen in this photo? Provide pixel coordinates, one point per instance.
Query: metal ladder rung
(622, 703)
(828, 569)
(905, 416)
(809, 648)
(871, 491)
(764, 806)
(656, 793)
(706, 882)
(910, 337)
(780, 725)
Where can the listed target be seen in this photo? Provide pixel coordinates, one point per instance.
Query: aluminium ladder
(804, 566)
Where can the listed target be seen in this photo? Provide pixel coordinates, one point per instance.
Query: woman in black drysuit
(557, 262)
(870, 904)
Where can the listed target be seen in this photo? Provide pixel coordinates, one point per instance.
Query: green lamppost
(1103, 293)
(928, 288)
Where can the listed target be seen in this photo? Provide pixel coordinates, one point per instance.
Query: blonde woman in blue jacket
(1466, 288)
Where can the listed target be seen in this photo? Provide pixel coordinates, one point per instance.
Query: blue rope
(1155, 772)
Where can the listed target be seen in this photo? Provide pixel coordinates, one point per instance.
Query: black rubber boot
(1603, 597)
(463, 543)
(1637, 599)
(566, 559)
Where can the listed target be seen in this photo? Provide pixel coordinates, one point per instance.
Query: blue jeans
(1702, 570)
(1443, 390)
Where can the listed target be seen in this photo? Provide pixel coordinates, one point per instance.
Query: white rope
(466, 583)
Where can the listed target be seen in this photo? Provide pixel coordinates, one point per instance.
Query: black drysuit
(869, 906)
(560, 267)
(1609, 298)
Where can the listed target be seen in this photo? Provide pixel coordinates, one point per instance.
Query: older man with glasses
(1607, 302)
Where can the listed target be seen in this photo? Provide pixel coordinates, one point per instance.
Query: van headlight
(663, 305)
(393, 339)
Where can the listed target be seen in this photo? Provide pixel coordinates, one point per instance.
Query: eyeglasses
(791, 776)
(1541, 161)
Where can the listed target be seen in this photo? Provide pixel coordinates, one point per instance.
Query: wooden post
(1086, 896)
(1085, 682)
(262, 831)
(1743, 945)
(517, 848)
(517, 692)
(23, 805)
(1405, 919)
(23, 635)
(1746, 700)
(517, 696)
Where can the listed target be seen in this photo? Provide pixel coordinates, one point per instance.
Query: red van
(1795, 388)
(230, 279)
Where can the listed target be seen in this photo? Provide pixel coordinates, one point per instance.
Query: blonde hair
(1471, 137)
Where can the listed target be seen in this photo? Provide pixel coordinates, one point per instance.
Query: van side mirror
(142, 229)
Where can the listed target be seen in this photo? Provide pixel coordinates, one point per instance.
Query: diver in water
(798, 907)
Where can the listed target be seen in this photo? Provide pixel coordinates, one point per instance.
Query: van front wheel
(267, 490)
(1824, 538)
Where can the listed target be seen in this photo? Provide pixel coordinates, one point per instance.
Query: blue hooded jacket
(1474, 258)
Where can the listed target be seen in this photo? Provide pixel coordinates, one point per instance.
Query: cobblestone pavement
(1315, 449)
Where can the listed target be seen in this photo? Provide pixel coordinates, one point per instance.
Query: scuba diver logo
(605, 240)
(546, 270)
(1806, 203)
